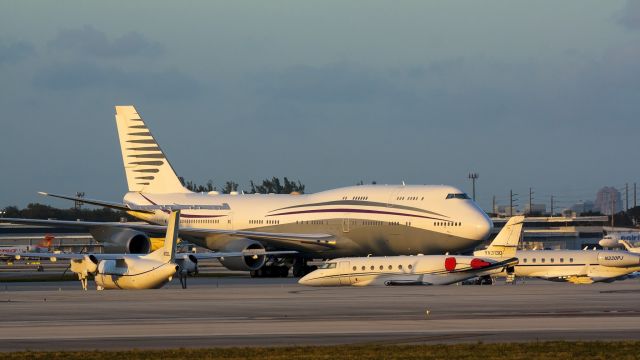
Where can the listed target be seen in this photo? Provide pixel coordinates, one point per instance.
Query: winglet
(506, 242)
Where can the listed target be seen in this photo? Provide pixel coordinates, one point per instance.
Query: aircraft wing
(212, 255)
(69, 256)
(325, 240)
(508, 262)
(257, 252)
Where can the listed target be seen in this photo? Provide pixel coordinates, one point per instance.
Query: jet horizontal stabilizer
(107, 204)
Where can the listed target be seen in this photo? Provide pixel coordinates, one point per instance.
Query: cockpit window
(458, 196)
(328, 265)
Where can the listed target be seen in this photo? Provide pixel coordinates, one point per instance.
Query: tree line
(42, 211)
(268, 186)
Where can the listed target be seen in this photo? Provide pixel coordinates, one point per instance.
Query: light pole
(473, 177)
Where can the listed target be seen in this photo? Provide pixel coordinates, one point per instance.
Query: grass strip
(556, 350)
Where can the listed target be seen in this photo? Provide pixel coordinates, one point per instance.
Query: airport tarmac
(240, 311)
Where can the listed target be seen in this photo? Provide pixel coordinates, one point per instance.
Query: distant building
(607, 198)
(583, 207)
(503, 210)
(535, 209)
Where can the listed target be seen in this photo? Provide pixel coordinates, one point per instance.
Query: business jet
(621, 239)
(135, 272)
(575, 266)
(421, 269)
(350, 221)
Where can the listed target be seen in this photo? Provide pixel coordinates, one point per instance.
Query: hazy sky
(541, 94)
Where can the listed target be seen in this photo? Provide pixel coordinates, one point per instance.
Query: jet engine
(188, 264)
(619, 259)
(87, 265)
(244, 263)
(83, 267)
(119, 240)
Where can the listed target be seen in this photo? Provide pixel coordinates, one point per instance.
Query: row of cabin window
(269, 222)
(408, 198)
(356, 198)
(353, 222)
(199, 221)
(312, 222)
(373, 223)
(390, 267)
(447, 223)
(551, 260)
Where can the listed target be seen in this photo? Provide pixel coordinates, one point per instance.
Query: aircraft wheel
(284, 271)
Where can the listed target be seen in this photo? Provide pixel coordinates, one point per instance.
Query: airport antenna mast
(511, 201)
(77, 203)
(626, 195)
(473, 176)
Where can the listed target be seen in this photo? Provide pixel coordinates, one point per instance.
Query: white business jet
(421, 269)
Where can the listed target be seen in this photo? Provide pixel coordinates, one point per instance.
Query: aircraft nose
(306, 280)
(481, 226)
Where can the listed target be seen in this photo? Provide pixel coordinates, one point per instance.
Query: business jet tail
(146, 167)
(627, 245)
(506, 242)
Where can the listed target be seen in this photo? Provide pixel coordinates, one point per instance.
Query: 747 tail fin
(145, 165)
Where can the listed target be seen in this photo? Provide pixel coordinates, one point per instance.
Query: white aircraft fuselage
(577, 266)
(401, 270)
(369, 219)
(134, 273)
(421, 269)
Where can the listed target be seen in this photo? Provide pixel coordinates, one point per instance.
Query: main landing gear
(183, 278)
(281, 269)
(300, 267)
(271, 271)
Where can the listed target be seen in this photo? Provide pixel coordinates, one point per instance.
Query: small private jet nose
(326, 275)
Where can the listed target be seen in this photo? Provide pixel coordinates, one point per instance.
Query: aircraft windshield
(458, 196)
(328, 265)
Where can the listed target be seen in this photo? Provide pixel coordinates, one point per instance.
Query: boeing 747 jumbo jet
(352, 221)
(421, 269)
(136, 272)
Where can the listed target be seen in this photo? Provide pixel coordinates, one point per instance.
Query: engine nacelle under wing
(119, 240)
(86, 265)
(188, 263)
(244, 263)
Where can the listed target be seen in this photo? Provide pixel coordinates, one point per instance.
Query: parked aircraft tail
(168, 251)
(506, 242)
(146, 166)
(627, 245)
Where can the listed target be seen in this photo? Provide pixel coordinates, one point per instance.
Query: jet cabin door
(345, 272)
(345, 223)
